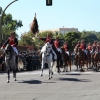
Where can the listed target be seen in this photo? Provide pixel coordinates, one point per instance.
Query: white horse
(47, 57)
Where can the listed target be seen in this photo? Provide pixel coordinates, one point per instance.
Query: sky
(81, 14)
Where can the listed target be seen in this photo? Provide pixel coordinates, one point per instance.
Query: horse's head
(76, 49)
(8, 49)
(48, 47)
(79, 50)
(63, 50)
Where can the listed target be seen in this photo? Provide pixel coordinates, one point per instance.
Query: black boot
(53, 57)
(16, 63)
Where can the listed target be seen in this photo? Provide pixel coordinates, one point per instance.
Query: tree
(26, 39)
(9, 24)
(72, 38)
(89, 36)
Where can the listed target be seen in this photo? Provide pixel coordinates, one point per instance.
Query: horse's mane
(11, 49)
(43, 49)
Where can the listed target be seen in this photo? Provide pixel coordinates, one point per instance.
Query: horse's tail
(54, 66)
(20, 64)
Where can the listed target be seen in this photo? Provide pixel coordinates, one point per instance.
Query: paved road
(65, 86)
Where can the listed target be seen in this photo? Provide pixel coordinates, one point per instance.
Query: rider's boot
(17, 62)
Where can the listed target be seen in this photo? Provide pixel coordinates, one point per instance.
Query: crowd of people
(31, 61)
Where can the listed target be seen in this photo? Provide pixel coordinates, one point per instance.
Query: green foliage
(89, 36)
(26, 39)
(72, 38)
(0, 10)
(9, 24)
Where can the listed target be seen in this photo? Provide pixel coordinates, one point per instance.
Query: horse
(59, 58)
(81, 56)
(10, 61)
(66, 59)
(96, 59)
(76, 56)
(47, 57)
(88, 57)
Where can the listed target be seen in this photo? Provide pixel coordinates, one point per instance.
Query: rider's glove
(14, 45)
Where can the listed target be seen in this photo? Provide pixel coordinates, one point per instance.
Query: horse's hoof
(15, 79)
(49, 78)
(41, 75)
(8, 81)
(63, 70)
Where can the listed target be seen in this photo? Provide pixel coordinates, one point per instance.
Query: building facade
(61, 30)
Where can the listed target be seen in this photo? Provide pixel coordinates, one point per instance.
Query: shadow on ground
(74, 79)
(34, 82)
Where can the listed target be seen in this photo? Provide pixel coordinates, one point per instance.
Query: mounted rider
(57, 45)
(50, 40)
(13, 41)
(83, 46)
(98, 46)
(94, 46)
(78, 44)
(66, 47)
(89, 47)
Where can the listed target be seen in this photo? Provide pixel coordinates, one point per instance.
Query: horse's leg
(67, 67)
(96, 66)
(80, 65)
(64, 66)
(87, 62)
(14, 75)
(8, 72)
(76, 62)
(58, 66)
(50, 70)
(70, 65)
(42, 68)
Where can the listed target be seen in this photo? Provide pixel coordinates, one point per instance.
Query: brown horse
(82, 59)
(88, 57)
(59, 58)
(66, 60)
(76, 56)
(96, 59)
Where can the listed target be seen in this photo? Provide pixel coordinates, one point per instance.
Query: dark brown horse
(81, 59)
(96, 59)
(66, 60)
(59, 58)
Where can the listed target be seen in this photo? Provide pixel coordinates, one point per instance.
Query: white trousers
(15, 49)
(55, 56)
(67, 52)
(58, 49)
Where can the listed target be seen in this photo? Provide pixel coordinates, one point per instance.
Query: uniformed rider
(13, 41)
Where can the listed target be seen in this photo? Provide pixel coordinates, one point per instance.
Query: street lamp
(1, 17)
